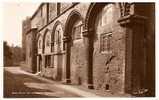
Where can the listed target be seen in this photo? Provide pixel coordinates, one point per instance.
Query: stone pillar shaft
(43, 63)
(67, 66)
(38, 63)
(88, 42)
(135, 52)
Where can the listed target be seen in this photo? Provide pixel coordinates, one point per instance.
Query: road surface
(18, 84)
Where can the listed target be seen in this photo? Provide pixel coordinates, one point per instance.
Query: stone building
(101, 46)
(26, 26)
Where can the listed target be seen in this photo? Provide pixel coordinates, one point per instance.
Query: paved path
(18, 83)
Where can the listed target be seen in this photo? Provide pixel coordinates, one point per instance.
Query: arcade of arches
(102, 46)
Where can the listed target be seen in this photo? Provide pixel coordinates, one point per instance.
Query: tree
(17, 55)
(7, 55)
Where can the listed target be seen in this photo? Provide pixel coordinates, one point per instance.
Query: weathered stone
(111, 52)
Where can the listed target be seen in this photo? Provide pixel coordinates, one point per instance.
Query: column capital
(131, 19)
(87, 32)
(66, 38)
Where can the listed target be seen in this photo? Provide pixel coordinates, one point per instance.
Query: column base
(67, 81)
(90, 86)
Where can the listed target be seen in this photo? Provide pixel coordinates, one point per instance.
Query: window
(47, 61)
(58, 37)
(58, 43)
(105, 42)
(52, 11)
(58, 40)
(48, 40)
(77, 32)
(58, 8)
(40, 44)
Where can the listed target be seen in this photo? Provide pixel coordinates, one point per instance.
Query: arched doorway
(73, 32)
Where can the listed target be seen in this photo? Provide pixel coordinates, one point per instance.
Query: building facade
(26, 26)
(102, 46)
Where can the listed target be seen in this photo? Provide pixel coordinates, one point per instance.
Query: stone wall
(26, 26)
(52, 11)
(77, 59)
(39, 18)
(108, 66)
(31, 51)
(65, 6)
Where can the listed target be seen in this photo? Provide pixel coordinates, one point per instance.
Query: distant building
(104, 46)
(26, 26)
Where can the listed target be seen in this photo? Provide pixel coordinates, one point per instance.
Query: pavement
(21, 84)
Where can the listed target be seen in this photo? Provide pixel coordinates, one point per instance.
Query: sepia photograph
(79, 49)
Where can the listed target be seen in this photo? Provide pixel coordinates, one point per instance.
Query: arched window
(48, 39)
(58, 36)
(39, 44)
(105, 42)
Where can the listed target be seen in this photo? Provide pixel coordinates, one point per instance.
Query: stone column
(43, 64)
(52, 60)
(88, 42)
(135, 55)
(34, 50)
(66, 40)
(37, 63)
(63, 66)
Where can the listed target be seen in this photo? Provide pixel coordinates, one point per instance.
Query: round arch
(54, 28)
(38, 36)
(44, 36)
(72, 18)
(37, 40)
(57, 23)
(91, 15)
(89, 34)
